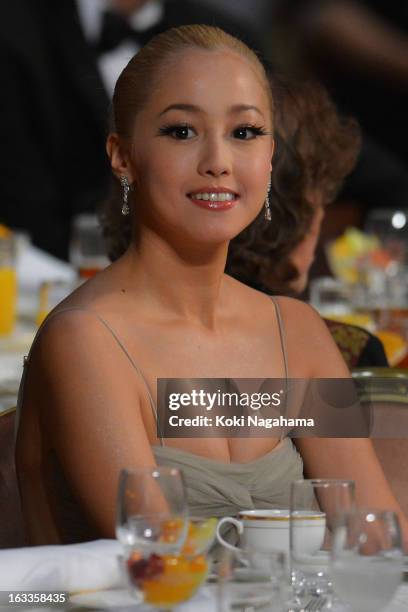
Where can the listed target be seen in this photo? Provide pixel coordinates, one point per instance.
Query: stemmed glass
(366, 558)
(313, 511)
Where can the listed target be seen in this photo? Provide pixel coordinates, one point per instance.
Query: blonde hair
(137, 82)
(139, 77)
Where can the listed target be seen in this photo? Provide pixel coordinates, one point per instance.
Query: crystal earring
(126, 188)
(268, 215)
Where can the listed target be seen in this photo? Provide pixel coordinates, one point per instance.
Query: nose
(215, 158)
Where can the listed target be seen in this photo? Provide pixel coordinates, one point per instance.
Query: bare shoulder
(76, 348)
(68, 327)
(245, 298)
(309, 340)
(299, 310)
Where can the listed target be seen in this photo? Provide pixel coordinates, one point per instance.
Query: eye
(249, 132)
(178, 132)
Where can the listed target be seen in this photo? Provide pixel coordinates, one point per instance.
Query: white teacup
(267, 530)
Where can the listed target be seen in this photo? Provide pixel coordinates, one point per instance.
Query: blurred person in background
(360, 51)
(316, 148)
(360, 48)
(59, 63)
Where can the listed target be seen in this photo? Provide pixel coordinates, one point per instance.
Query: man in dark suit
(55, 106)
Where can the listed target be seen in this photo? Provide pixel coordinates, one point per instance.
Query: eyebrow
(192, 108)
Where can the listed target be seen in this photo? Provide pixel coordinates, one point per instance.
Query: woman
(193, 123)
(316, 149)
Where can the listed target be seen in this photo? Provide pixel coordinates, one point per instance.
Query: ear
(119, 157)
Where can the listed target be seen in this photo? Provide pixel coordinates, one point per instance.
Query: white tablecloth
(204, 601)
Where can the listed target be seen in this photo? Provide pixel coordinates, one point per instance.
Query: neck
(184, 280)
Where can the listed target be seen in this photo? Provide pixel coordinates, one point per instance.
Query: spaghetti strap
(116, 338)
(282, 335)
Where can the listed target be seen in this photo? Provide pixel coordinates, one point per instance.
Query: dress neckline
(211, 461)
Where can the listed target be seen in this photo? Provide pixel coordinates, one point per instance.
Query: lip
(214, 206)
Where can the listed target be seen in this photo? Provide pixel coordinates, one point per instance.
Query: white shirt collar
(148, 16)
(91, 11)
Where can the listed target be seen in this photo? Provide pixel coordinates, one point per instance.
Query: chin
(219, 230)
(299, 285)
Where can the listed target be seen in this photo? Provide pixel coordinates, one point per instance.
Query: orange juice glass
(8, 283)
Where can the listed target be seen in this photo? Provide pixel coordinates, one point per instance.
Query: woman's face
(202, 148)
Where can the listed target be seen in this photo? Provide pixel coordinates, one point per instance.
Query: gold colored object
(8, 282)
(250, 517)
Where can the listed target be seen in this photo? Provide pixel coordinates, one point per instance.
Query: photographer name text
(238, 421)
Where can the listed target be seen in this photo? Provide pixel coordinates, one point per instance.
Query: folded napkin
(72, 567)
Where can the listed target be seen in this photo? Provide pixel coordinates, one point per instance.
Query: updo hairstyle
(132, 91)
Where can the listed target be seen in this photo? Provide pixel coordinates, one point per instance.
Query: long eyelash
(259, 130)
(165, 130)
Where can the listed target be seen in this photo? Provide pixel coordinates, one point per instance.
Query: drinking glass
(165, 555)
(52, 293)
(87, 251)
(330, 296)
(8, 281)
(391, 228)
(313, 510)
(367, 558)
(251, 579)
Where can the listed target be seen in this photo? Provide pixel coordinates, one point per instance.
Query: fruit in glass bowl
(169, 579)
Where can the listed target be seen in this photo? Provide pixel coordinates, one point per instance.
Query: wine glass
(367, 558)
(152, 509)
(313, 510)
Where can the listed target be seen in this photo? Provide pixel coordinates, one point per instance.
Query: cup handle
(237, 524)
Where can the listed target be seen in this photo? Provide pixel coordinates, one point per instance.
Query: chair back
(11, 519)
(386, 390)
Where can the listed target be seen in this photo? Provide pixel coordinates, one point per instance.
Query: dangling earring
(126, 188)
(268, 215)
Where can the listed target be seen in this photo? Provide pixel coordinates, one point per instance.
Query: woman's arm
(89, 399)
(347, 458)
(351, 459)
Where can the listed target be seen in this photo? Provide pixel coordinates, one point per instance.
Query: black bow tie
(116, 30)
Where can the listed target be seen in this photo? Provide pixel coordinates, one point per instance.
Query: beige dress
(214, 488)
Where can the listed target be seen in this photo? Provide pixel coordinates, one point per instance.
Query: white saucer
(319, 560)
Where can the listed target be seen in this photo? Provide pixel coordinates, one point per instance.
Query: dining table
(34, 269)
(12, 352)
(119, 600)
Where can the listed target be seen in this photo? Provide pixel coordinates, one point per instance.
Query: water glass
(152, 509)
(366, 558)
(251, 579)
(313, 510)
(330, 296)
(87, 251)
